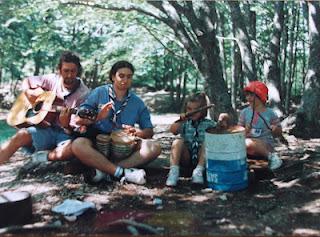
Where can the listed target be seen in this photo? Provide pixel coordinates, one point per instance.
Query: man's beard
(68, 82)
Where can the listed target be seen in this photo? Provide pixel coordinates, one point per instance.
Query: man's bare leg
(20, 139)
(149, 151)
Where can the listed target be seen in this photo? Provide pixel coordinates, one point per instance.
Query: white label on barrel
(212, 178)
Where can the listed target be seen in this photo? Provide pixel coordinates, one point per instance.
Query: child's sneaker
(40, 156)
(173, 176)
(274, 161)
(197, 176)
(137, 176)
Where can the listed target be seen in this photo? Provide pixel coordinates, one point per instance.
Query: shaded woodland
(177, 46)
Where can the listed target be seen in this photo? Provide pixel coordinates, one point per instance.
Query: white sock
(200, 167)
(40, 156)
(119, 172)
(175, 167)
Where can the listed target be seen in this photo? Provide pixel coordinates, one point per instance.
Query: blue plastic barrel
(226, 160)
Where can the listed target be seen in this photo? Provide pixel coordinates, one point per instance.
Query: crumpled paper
(73, 208)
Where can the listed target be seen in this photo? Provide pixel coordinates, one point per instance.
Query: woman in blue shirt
(118, 108)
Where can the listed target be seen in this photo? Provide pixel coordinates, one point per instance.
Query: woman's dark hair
(118, 65)
(70, 57)
(200, 98)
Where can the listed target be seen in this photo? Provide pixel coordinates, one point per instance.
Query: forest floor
(286, 202)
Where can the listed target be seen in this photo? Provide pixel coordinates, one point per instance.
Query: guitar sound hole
(38, 107)
(30, 113)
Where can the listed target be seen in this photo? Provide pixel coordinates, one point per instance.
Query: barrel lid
(230, 130)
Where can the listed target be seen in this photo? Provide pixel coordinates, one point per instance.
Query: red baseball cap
(259, 89)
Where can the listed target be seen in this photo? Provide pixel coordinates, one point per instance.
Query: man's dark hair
(118, 65)
(70, 57)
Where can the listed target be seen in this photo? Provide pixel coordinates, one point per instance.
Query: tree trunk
(237, 78)
(0, 76)
(251, 19)
(184, 88)
(291, 58)
(243, 39)
(94, 79)
(294, 66)
(222, 30)
(37, 63)
(304, 50)
(285, 38)
(201, 43)
(171, 81)
(271, 64)
(308, 114)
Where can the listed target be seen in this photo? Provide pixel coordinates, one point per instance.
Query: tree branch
(174, 22)
(113, 8)
(164, 46)
(186, 12)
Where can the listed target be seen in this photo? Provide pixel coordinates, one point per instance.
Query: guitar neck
(60, 108)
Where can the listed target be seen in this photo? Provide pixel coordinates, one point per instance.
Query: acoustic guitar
(42, 113)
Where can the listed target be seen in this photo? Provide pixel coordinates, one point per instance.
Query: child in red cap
(261, 124)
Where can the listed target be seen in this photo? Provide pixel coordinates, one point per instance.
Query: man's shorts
(48, 138)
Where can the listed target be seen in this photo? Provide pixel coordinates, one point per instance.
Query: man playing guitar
(50, 140)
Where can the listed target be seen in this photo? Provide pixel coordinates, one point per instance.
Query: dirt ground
(286, 202)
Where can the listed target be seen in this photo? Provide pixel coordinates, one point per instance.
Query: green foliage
(34, 32)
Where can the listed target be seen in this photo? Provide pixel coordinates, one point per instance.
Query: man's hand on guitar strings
(64, 117)
(33, 94)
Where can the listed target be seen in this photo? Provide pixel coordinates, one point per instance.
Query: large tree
(244, 41)
(194, 24)
(199, 39)
(271, 63)
(307, 117)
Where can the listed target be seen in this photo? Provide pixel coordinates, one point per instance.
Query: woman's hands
(104, 111)
(86, 120)
(133, 131)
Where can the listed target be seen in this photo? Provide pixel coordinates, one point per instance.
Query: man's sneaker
(132, 175)
(173, 176)
(197, 176)
(94, 176)
(40, 156)
(274, 161)
(100, 176)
